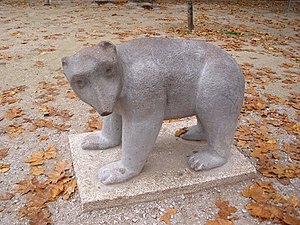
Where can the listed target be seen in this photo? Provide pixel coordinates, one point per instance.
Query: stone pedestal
(165, 174)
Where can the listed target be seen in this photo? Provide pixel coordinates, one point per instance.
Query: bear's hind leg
(195, 133)
(216, 153)
(218, 109)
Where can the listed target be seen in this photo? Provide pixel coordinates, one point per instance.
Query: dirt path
(38, 109)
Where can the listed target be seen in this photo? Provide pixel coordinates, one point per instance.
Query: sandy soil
(33, 39)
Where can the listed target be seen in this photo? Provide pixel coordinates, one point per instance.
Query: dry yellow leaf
(62, 166)
(225, 210)
(55, 190)
(50, 152)
(40, 216)
(261, 191)
(36, 170)
(71, 95)
(36, 158)
(37, 199)
(39, 64)
(181, 131)
(219, 221)
(6, 196)
(16, 33)
(14, 130)
(27, 185)
(14, 112)
(3, 153)
(69, 189)
(4, 168)
(265, 211)
(172, 120)
(55, 176)
(291, 220)
(43, 138)
(93, 124)
(167, 216)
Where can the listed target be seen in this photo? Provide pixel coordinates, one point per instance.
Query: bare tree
(190, 16)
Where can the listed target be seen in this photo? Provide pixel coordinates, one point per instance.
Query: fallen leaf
(71, 94)
(9, 101)
(93, 124)
(225, 210)
(55, 190)
(4, 47)
(1, 208)
(281, 171)
(6, 196)
(14, 130)
(270, 205)
(260, 191)
(48, 123)
(69, 189)
(181, 131)
(36, 170)
(39, 64)
(284, 181)
(219, 221)
(3, 153)
(167, 216)
(62, 166)
(16, 33)
(36, 158)
(40, 217)
(265, 211)
(291, 220)
(50, 152)
(43, 138)
(27, 210)
(14, 112)
(4, 168)
(172, 120)
(38, 199)
(55, 176)
(51, 111)
(27, 185)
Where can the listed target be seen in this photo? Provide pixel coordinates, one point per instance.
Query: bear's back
(164, 49)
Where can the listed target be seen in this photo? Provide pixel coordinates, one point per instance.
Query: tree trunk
(190, 15)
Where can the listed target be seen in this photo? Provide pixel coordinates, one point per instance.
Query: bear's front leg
(138, 138)
(109, 137)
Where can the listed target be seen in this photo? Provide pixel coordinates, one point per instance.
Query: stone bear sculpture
(138, 84)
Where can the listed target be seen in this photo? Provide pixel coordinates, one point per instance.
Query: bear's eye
(108, 70)
(80, 83)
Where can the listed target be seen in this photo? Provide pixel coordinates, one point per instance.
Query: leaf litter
(224, 214)
(270, 158)
(270, 205)
(3, 153)
(170, 213)
(59, 182)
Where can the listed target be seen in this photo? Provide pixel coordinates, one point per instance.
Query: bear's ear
(108, 46)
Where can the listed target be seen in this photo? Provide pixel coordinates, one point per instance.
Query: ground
(39, 110)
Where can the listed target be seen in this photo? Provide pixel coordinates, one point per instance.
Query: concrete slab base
(165, 174)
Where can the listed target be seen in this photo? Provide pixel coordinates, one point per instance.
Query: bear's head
(95, 76)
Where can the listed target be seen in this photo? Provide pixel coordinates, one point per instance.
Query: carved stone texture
(138, 84)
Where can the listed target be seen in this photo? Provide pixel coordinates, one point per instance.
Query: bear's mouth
(105, 113)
